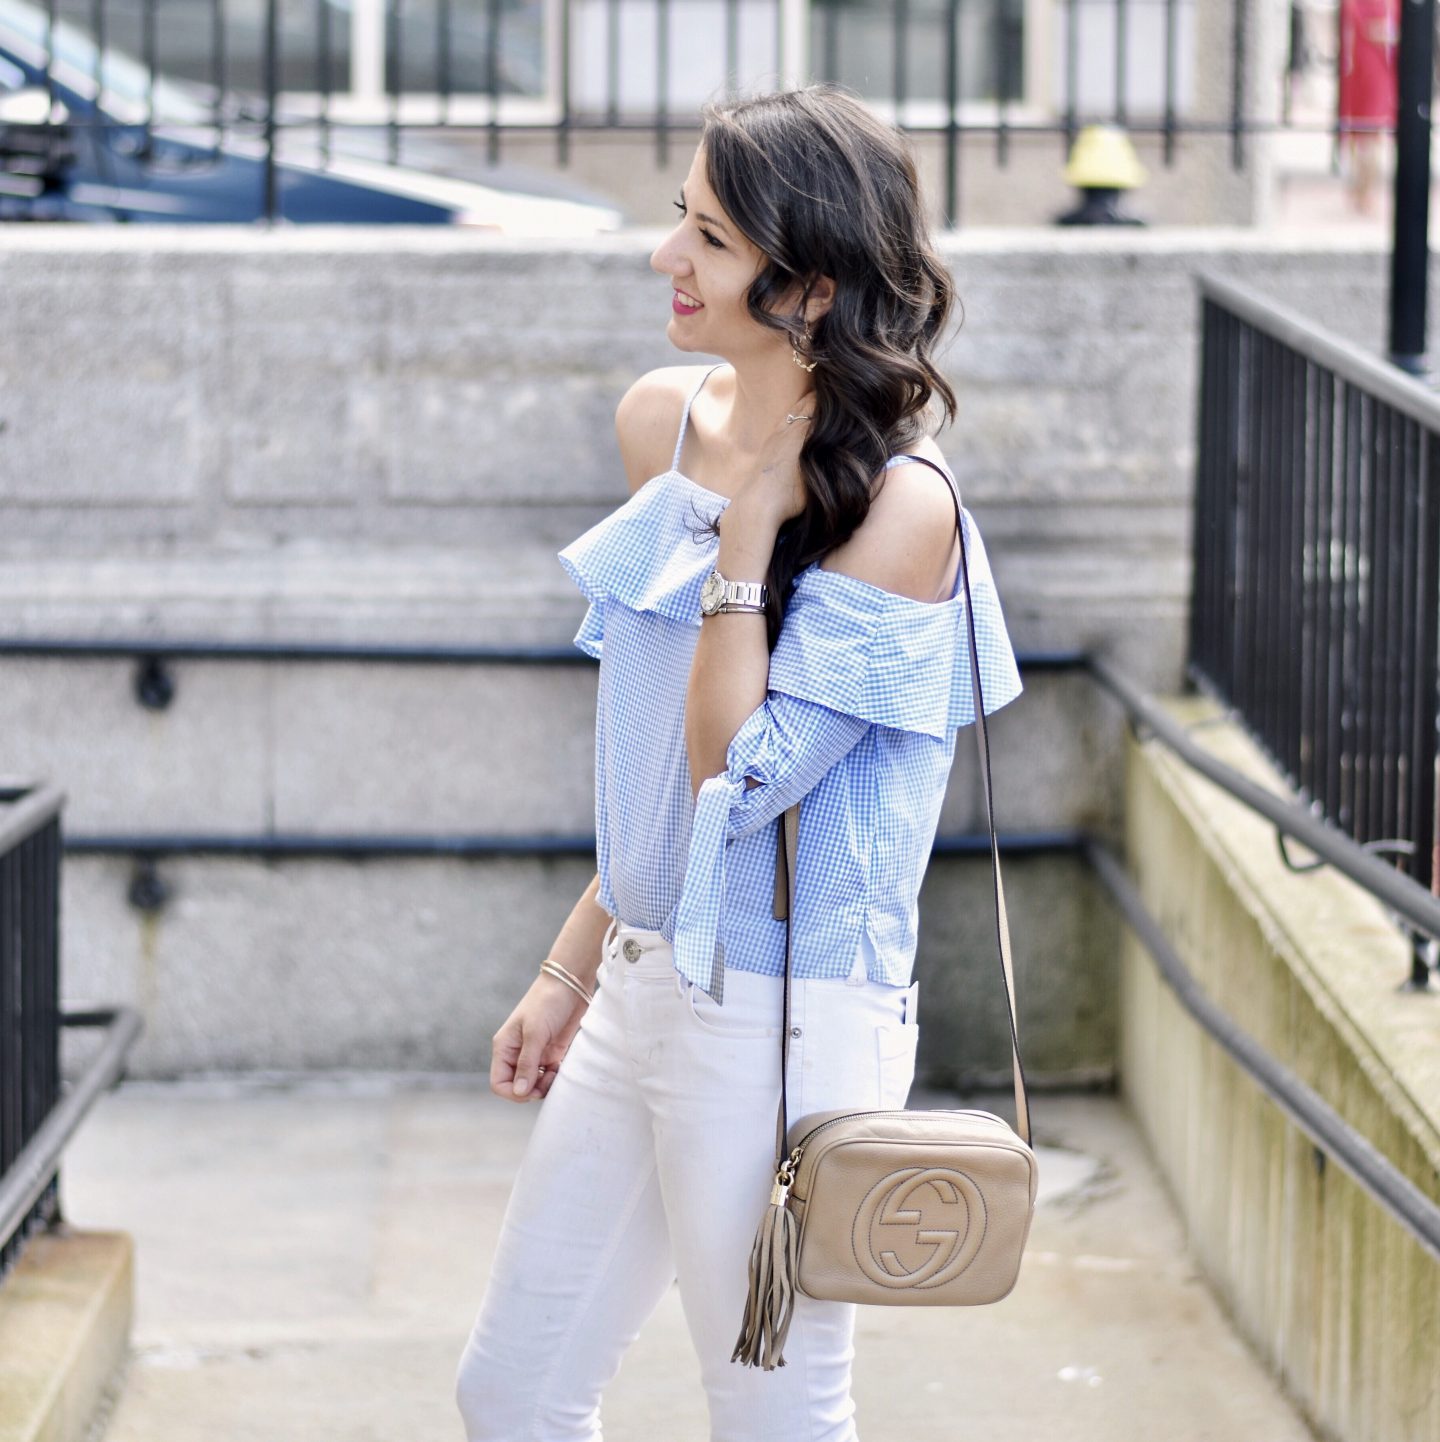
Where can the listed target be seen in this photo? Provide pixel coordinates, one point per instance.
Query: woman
(653, 1033)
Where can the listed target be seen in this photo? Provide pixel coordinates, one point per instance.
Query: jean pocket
(895, 1050)
(743, 1015)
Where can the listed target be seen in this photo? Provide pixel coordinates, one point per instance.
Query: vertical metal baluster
(612, 62)
(492, 78)
(272, 81)
(1380, 569)
(1427, 668)
(1375, 642)
(217, 67)
(1237, 86)
(147, 45)
(1397, 570)
(1287, 609)
(562, 130)
(662, 81)
(97, 26)
(12, 1040)
(999, 20)
(1122, 42)
(394, 75)
(1229, 451)
(1202, 531)
(1334, 441)
(443, 45)
(1172, 65)
(1312, 543)
(952, 101)
(1072, 72)
(1408, 740)
(1350, 611)
(1246, 659)
(900, 81)
(324, 50)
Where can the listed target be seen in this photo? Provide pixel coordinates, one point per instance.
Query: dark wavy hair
(822, 186)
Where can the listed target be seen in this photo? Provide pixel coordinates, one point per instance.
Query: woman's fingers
(527, 1066)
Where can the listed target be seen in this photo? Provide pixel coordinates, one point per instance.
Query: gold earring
(795, 354)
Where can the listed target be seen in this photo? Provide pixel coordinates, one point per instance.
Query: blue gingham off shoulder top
(867, 690)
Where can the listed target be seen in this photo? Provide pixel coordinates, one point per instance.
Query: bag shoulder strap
(787, 844)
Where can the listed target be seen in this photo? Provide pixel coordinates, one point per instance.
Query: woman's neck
(761, 393)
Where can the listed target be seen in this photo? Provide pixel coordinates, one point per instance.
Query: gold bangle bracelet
(560, 966)
(564, 977)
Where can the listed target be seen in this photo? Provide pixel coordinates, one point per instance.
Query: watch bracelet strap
(753, 594)
(786, 845)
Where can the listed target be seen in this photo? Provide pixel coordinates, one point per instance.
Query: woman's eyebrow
(700, 214)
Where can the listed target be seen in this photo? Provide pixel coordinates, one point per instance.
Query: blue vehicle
(95, 155)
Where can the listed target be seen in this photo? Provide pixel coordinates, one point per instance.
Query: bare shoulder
(647, 420)
(907, 542)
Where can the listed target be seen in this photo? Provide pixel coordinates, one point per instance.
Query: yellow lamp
(1103, 158)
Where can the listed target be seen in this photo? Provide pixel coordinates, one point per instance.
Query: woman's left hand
(776, 490)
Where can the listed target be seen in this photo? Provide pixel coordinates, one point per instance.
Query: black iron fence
(299, 72)
(1317, 567)
(29, 984)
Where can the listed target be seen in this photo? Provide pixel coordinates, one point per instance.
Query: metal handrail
(29, 807)
(1380, 379)
(1397, 891)
(1330, 1132)
(35, 1165)
(143, 648)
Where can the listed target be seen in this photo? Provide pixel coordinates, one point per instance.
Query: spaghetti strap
(685, 417)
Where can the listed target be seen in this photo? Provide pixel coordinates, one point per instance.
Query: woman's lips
(681, 306)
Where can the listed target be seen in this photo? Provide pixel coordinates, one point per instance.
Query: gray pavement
(310, 1253)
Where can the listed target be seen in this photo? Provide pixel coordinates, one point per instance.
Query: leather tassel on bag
(774, 1260)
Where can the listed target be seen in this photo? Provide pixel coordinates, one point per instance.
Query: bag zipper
(791, 1163)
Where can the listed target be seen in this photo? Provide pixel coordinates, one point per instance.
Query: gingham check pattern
(867, 690)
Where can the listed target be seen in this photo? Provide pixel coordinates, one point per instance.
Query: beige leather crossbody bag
(915, 1207)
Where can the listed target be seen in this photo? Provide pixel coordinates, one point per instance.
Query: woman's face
(708, 260)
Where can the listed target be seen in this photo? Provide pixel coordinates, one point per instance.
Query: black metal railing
(497, 67)
(37, 1115)
(1317, 566)
(29, 983)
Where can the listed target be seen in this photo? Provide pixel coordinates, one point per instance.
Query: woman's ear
(822, 297)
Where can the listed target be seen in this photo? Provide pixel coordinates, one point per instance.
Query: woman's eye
(710, 239)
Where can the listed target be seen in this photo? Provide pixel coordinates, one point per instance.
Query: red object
(1369, 45)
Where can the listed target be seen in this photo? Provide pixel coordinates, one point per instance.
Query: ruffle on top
(845, 643)
(891, 659)
(643, 555)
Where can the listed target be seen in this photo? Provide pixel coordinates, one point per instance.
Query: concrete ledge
(1336, 1295)
(65, 1314)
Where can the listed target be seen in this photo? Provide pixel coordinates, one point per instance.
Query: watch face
(711, 593)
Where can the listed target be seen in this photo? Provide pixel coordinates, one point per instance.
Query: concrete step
(65, 1313)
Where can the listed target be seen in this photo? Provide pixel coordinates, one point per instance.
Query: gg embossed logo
(936, 1214)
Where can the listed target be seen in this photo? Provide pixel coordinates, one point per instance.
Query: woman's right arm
(545, 1020)
(577, 948)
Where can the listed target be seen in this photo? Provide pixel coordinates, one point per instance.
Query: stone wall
(370, 435)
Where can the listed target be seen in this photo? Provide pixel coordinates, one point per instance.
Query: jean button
(631, 949)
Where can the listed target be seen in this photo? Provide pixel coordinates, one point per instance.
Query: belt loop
(607, 941)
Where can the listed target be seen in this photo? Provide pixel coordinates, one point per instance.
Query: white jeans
(650, 1160)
